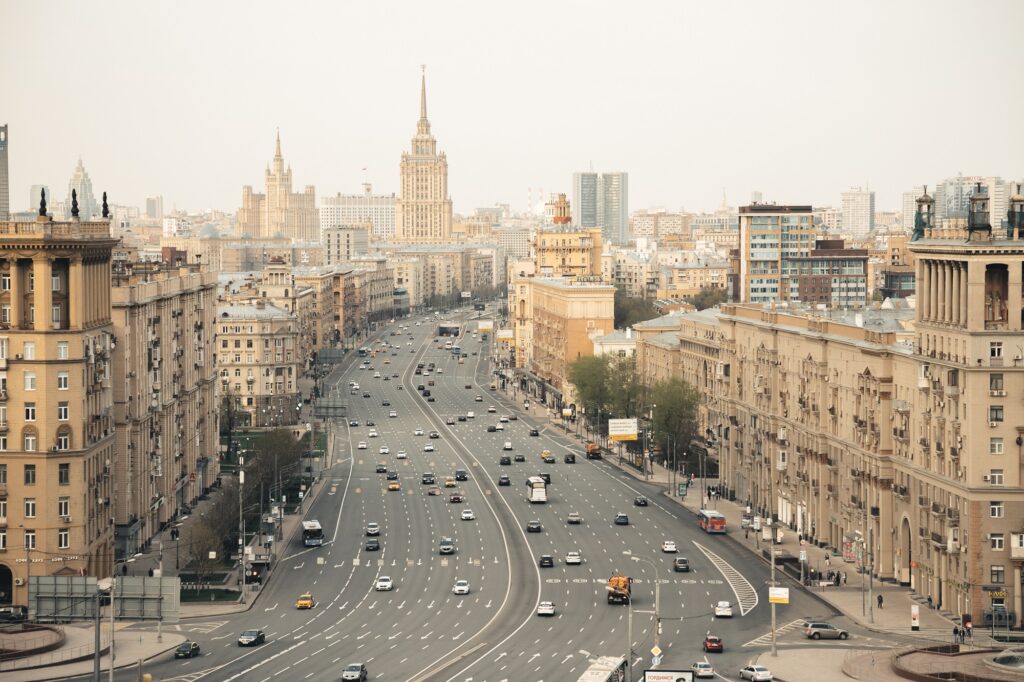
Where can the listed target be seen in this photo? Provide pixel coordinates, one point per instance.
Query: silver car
(824, 631)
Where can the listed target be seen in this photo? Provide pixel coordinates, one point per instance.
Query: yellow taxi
(394, 485)
(305, 601)
(449, 482)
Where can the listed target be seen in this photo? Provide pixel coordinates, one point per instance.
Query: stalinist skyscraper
(423, 212)
(279, 211)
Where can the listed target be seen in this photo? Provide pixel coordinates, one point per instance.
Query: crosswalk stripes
(189, 677)
(766, 638)
(745, 593)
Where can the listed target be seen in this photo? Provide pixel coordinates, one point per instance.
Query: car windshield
(250, 633)
(352, 668)
(185, 646)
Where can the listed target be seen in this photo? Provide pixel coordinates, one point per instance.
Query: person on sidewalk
(844, 578)
(880, 601)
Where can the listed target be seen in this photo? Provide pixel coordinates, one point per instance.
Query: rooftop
(248, 312)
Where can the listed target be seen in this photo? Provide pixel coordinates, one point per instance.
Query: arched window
(63, 438)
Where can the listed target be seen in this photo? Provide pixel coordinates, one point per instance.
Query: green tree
(675, 417)
(589, 375)
(709, 297)
(201, 542)
(629, 311)
(624, 387)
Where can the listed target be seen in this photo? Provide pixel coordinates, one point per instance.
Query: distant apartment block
(347, 210)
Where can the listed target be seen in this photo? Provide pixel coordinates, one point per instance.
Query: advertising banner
(622, 429)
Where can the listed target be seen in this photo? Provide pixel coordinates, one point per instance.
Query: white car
(470, 415)
(392, 414)
(669, 547)
(503, 420)
(418, 432)
(373, 433)
(376, 375)
(723, 609)
(384, 450)
(467, 515)
(546, 608)
(757, 673)
(355, 384)
(507, 446)
(362, 445)
(461, 587)
(492, 409)
(499, 427)
(400, 454)
(429, 447)
(373, 528)
(702, 669)
(573, 558)
(384, 584)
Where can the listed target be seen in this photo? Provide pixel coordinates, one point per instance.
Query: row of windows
(29, 507)
(30, 381)
(29, 477)
(28, 349)
(29, 539)
(56, 313)
(5, 282)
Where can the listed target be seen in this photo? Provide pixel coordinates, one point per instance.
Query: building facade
(5, 178)
(81, 184)
(602, 200)
(165, 404)
(375, 210)
(423, 212)
(57, 431)
(568, 252)
(858, 213)
(342, 244)
(769, 236)
(278, 211)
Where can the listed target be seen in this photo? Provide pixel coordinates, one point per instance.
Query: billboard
(62, 598)
(622, 429)
(505, 335)
(668, 676)
(778, 595)
(485, 326)
(467, 294)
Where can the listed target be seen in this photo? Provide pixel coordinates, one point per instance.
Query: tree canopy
(709, 297)
(629, 311)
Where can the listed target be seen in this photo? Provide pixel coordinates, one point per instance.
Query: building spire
(277, 147)
(423, 93)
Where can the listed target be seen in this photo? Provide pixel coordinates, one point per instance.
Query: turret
(924, 219)
(1015, 216)
(978, 217)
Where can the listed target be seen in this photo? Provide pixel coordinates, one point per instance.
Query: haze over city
(798, 100)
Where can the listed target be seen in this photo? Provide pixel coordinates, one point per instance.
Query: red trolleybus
(711, 521)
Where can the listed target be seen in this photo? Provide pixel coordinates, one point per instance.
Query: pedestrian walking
(844, 578)
(880, 601)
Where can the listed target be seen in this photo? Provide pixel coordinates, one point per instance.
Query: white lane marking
(746, 595)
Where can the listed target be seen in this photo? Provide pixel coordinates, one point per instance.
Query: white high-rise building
(602, 200)
(858, 212)
(343, 210)
(910, 207)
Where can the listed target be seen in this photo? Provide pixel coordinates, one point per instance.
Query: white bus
(538, 493)
(312, 534)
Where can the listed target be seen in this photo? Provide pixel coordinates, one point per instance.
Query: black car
(365, 394)
(392, 475)
(428, 479)
(385, 403)
(621, 520)
(534, 432)
(372, 545)
(513, 418)
(13, 614)
(570, 458)
(469, 386)
(426, 393)
(546, 476)
(187, 649)
(353, 422)
(504, 480)
(461, 475)
(520, 457)
(505, 461)
(534, 527)
(640, 501)
(435, 434)
(546, 561)
(418, 370)
(251, 638)
(492, 428)
(420, 387)
(382, 468)
(462, 417)
(681, 565)
(430, 398)
(370, 422)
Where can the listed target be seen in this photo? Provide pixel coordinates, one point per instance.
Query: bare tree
(202, 540)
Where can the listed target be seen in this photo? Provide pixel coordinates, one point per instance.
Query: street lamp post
(241, 531)
(657, 606)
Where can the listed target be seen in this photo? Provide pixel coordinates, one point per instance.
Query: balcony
(938, 540)
(874, 512)
(953, 517)
(922, 501)
(938, 509)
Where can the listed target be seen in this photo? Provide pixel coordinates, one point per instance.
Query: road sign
(656, 660)
(778, 595)
(803, 555)
(656, 651)
(681, 492)
(622, 429)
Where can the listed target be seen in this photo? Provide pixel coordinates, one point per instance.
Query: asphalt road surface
(420, 630)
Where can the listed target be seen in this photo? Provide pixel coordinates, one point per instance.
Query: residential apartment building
(57, 431)
(515, 241)
(321, 282)
(888, 438)
(636, 273)
(659, 224)
(568, 252)
(375, 210)
(342, 244)
(520, 311)
(770, 236)
(408, 272)
(687, 279)
(258, 360)
(858, 213)
(830, 275)
(566, 317)
(165, 403)
(279, 212)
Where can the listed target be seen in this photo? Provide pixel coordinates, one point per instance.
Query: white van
(508, 445)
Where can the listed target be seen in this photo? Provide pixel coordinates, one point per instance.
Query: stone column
(933, 289)
(42, 295)
(921, 287)
(950, 295)
(76, 285)
(964, 272)
(17, 295)
(1013, 297)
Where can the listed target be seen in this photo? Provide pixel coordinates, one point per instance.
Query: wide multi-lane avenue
(420, 629)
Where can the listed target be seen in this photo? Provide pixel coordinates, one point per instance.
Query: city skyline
(196, 158)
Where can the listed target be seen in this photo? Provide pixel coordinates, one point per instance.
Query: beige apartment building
(165, 403)
(573, 252)
(408, 273)
(567, 316)
(687, 279)
(258, 359)
(659, 224)
(57, 431)
(322, 282)
(894, 440)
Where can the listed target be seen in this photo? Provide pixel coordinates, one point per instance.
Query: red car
(713, 643)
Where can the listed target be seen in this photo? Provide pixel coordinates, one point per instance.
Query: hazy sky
(800, 100)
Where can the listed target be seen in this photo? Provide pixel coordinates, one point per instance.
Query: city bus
(312, 534)
(538, 493)
(711, 521)
(606, 669)
(363, 351)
